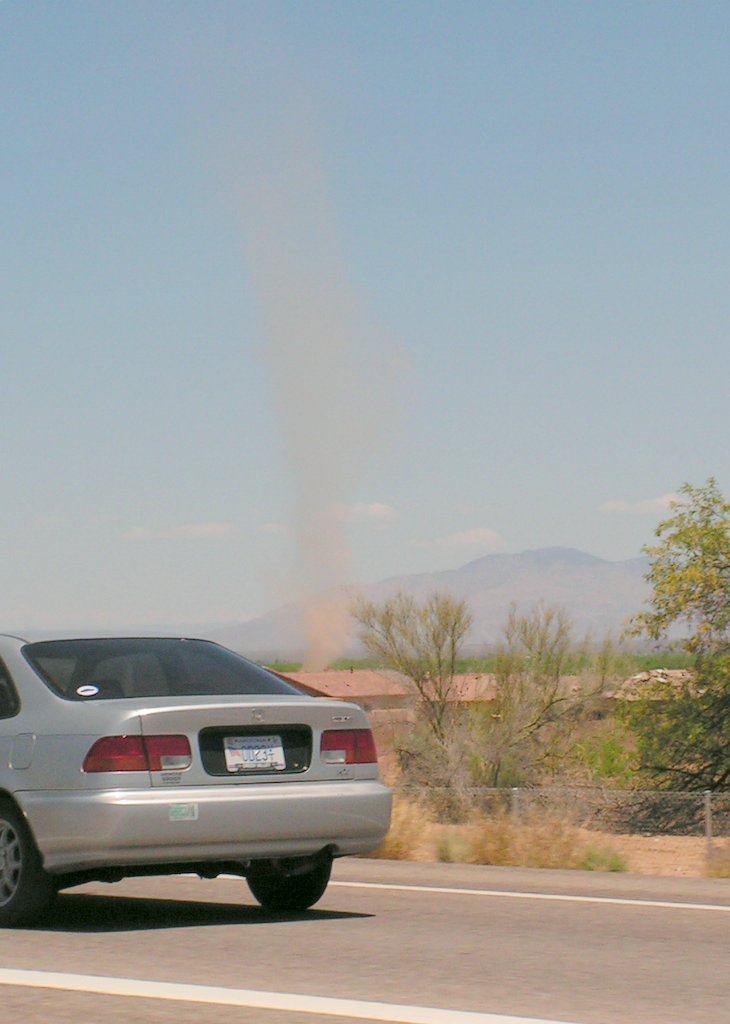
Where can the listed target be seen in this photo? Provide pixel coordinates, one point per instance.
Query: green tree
(682, 726)
(682, 729)
(421, 641)
(690, 573)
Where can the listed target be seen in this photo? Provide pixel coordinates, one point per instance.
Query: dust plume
(320, 357)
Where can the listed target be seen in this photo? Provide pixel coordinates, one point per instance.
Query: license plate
(254, 753)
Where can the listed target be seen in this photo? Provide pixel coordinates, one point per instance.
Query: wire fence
(629, 812)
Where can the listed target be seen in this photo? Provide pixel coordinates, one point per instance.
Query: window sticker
(87, 690)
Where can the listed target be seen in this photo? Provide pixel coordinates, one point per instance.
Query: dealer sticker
(183, 812)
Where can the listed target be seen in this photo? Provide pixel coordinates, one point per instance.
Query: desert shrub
(444, 769)
(421, 640)
(547, 691)
(546, 685)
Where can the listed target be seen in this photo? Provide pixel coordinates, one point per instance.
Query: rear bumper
(118, 828)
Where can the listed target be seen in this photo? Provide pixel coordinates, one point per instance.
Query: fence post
(515, 804)
(708, 823)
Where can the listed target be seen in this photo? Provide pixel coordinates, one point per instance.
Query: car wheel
(26, 890)
(292, 889)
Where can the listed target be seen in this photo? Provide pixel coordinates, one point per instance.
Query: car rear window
(147, 667)
(9, 703)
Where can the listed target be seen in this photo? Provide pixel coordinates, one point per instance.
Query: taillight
(138, 754)
(168, 753)
(348, 746)
(117, 754)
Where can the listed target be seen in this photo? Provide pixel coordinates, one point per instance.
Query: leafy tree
(682, 726)
(682, 729)
(690, 573)
(421, 641)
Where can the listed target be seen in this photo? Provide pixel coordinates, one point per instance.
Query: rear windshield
(145, 667)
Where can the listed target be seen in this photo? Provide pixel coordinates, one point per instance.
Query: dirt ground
(676, 856)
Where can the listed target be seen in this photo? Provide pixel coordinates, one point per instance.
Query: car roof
(38, 635)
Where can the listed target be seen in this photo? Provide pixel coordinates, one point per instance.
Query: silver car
(147, 756)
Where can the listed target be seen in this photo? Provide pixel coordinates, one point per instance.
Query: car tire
(26, 890)
(291, 890)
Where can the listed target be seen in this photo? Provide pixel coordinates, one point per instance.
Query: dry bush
(410, 824)
(537, 842)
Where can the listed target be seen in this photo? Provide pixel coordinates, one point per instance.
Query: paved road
(430, 944)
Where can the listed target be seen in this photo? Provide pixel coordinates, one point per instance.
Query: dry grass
(544, 842)
(411, 827)
(537, 842)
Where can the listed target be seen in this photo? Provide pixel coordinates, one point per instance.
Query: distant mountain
(598, 595)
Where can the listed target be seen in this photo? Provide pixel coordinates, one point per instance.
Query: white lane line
(502, 894)
(393, 1013)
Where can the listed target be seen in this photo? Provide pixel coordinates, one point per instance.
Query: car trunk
(238, 741)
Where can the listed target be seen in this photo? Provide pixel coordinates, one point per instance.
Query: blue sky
(304, 293)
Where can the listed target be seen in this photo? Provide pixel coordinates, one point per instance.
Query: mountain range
(598, 595)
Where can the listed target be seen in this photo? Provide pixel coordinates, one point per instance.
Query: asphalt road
(429, 944)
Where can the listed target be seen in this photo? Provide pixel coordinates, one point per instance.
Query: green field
(464, 666)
